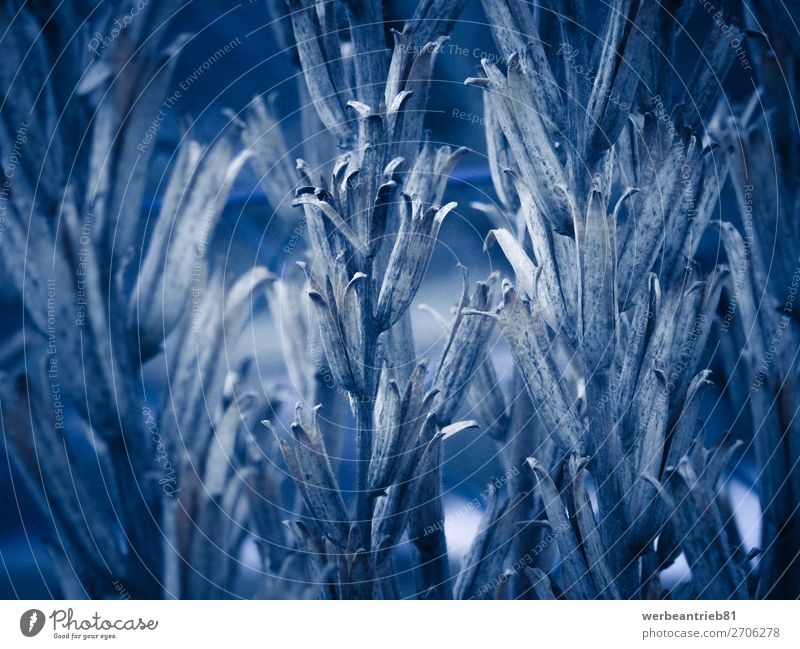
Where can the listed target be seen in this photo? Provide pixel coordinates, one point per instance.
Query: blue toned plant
(610, 314)
(275, 432)
(106, 291)
(372, 227)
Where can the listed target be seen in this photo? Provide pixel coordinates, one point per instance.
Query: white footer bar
(406, 625)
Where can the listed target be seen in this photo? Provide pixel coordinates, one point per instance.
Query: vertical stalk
(363, 403)
(611, 487)
(363, 411)
(433, 575)
(371, 61)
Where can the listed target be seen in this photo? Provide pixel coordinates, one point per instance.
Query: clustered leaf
(608, 320)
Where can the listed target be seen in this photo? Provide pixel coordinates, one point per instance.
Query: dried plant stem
(363, 411)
